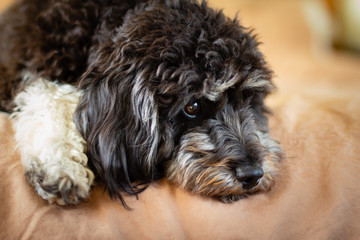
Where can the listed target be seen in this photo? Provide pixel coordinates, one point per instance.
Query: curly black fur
(138, 65)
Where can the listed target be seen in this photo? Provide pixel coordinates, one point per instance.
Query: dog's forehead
(189, 81)
(191, 48)
(214, 87)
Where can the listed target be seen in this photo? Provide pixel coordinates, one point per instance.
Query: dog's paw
(52, 150)
(65, 185)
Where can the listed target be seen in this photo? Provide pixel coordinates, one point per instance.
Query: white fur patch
(52, 150)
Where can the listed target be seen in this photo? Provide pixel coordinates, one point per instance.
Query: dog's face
(177, 91)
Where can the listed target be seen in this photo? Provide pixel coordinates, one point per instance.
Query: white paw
(66, 184)
(52, 150)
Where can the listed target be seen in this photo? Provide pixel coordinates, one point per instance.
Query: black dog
(166, 88)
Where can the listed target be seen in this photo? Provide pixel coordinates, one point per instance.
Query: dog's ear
(118, 117)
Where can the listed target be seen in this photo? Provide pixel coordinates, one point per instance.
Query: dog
(133, 91)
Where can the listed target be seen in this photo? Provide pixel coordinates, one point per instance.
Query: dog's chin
(238, 192)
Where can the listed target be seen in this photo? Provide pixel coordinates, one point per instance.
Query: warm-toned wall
(4, 4)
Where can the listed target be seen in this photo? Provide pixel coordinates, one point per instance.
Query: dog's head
(177, 90)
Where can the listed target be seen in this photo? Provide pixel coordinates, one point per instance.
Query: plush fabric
(316, 118)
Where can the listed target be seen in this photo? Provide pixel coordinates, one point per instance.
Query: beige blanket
(316, 119)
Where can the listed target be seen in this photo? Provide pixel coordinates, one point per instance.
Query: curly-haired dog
(164, 88)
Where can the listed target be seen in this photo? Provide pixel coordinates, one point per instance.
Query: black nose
(249, 176)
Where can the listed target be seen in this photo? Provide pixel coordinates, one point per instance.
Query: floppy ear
(118, 118)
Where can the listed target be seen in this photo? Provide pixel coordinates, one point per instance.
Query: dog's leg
(52, 150)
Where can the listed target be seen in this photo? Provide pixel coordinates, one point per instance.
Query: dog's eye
(192, 109)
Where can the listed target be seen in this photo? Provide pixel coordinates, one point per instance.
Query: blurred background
(311, 45)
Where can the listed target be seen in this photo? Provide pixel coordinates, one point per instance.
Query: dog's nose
(249, 176)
